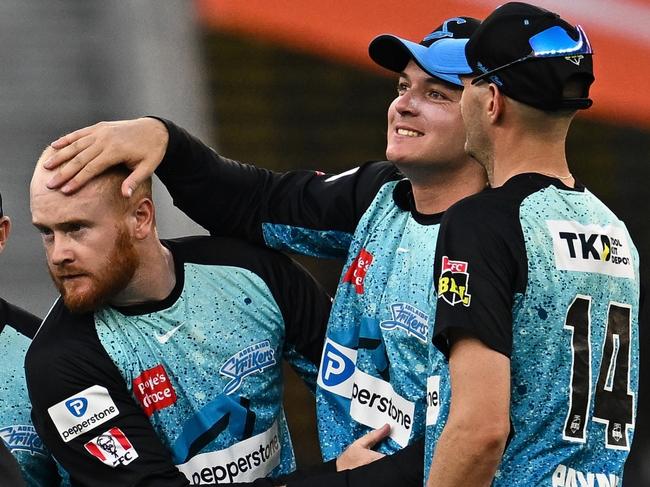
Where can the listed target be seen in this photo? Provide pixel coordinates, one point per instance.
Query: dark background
(283, 110)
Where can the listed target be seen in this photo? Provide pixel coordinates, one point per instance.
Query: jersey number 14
(613, 400)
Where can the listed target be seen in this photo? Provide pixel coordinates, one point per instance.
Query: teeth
(408, 133)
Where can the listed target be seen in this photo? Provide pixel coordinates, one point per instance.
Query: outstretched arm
(308, 212)
(87, 152)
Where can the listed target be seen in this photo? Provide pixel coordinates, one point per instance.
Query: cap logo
(575, 59)
(444, 32)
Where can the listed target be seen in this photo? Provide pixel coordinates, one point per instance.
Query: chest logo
(154, 390)
(255, 358)
(591, 248)
(357, 271)
(414, 321)
(453, 282)
(162, 339)
(22, 438)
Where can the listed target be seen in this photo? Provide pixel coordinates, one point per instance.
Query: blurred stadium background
(284, 84)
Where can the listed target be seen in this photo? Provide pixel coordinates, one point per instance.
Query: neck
(518, 152)
(435, 190)
(154, 278)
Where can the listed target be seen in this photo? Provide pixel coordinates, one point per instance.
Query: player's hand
(87, 152)
(360, 452)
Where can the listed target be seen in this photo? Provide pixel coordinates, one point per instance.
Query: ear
(496, 104)
(5, 230)
(143, 218)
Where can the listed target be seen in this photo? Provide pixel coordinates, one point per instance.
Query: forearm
(303, 211)
(465, 455)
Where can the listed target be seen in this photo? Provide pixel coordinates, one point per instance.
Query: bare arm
(471, 445)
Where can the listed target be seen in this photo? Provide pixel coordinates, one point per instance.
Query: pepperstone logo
(592, 248)
(22, 437)
(414, 321)
(374, 403)
(336, 370)
(356, 273)
(112, 448)
(154, 390)
(82, 412)
(244, 461)
(77, 406)
(255, 358)
(453, 282)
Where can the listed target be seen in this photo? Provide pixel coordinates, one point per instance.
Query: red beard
(118, 270)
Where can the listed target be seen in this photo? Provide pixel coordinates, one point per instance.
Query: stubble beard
(112, 278)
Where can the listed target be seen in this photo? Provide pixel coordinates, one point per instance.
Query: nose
(59, 251)
(407, 103)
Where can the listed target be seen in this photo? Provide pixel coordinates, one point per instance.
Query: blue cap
(440, 59)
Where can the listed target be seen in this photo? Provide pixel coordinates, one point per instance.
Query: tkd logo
(77, 406)
(593, 247)
(336, 366)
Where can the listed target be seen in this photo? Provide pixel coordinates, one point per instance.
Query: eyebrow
(430, 79)
(64, 226)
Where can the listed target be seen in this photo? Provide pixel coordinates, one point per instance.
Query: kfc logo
(112, 448)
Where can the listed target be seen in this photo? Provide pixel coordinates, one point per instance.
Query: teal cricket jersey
(548, 276)
(187, 389)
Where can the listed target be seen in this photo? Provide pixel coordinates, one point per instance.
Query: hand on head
(139, 144)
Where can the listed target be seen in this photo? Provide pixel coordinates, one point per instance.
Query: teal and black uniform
(17, 327)
(548, 276)
(373, 368)
(188, 385)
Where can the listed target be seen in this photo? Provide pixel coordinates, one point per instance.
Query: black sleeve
(9, 471)
(305, 307)
(84, 413)
(404, 468)
(233, 199)
(480, 264)
(19, 319)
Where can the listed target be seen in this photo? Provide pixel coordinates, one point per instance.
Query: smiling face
(425, 128)
(90, 253)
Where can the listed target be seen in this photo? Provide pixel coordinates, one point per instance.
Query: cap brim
(394, 53)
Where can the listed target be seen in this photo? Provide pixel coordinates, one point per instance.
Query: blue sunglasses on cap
(551, 42)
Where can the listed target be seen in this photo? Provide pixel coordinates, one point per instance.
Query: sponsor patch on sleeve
(112, 447)
(454, 281)
(82, 412)
(591, 248)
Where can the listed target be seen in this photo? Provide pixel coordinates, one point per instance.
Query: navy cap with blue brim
(394, 53)
(530, 53)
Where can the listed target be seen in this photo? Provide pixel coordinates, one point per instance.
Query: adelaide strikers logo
(453, 282)
(255, 358)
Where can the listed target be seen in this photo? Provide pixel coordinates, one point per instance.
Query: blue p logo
(77, 406)
(336, 366)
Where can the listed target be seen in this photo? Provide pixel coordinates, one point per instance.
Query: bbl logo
(453, 282)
